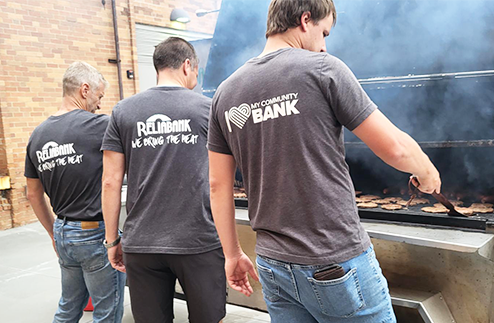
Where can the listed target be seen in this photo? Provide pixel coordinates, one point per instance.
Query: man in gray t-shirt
(159, 138)
(63, 160)
(280, 119)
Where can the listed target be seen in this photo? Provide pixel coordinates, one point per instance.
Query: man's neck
(279, 41)
(170, 78)
(69, 103)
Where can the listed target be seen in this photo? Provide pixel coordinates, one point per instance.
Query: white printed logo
(160, 129)
(52, 155)
(273, 108)
(51, 150)
(239, 116)
(162, 124)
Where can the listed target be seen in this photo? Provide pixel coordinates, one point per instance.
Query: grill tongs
(438, 196)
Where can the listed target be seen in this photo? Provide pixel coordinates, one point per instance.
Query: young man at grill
(64, 161)
(280, 118)
(159, 138)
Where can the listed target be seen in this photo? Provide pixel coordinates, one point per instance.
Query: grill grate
(413, 215)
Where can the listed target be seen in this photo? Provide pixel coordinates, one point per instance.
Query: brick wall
(157, 13)
(38, 40)
(5, 206)
(3, 154)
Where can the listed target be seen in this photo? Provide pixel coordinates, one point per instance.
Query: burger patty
(393, 199)
(481, 205)
(391, 207)
(367, 205)
(482, 209)
(381, 201)
(455, 203)
(434, 209)
(464, 210)
(367, 198)
(414, 202)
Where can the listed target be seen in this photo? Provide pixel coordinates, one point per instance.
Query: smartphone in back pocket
(329, 273)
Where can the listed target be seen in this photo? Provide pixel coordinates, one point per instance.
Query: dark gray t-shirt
(281, 116)
(64, 153)
(163, 133)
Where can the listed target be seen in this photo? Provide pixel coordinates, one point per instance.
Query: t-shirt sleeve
(216, 139)
(205, 117)
(112, 140)
(29, 168)
(350, 104)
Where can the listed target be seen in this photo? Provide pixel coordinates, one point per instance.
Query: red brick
(38, 41)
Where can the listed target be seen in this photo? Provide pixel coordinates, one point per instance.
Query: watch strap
(113, 244)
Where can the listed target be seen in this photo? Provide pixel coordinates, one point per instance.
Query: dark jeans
(152, 278)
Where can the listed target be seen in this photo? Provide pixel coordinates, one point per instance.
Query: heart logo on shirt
(239, 116)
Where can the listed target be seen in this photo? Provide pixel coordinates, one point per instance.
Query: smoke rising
(397, 38)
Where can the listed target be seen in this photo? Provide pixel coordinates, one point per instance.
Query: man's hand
(428, 183)
(236, 270)
(115, 256)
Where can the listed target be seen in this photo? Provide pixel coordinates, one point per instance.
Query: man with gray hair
(159, 138)
(63, 160)
(315, 261)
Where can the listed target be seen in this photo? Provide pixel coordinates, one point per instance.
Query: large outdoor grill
(429, 66)
(452, 118)
(465, 161)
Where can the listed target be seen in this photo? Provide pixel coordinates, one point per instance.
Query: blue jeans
(293, 295)
(86, 272)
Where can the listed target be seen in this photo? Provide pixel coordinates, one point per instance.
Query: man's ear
(304, 20)
(84, 90)
(186, 66)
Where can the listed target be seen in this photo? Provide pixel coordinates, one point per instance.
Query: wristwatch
(113, 244)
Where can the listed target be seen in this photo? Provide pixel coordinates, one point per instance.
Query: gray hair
(79, 73)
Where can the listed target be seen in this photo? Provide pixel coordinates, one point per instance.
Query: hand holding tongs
(438, 196)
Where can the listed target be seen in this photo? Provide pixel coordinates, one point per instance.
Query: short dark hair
(285, 14)
(172, 53)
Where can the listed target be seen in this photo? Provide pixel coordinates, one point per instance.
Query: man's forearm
(36, 197)
(111, 201)
(223, 209)
(43, 213)
(393, 146)
(221, 176)
(410, 158)
(113, 173)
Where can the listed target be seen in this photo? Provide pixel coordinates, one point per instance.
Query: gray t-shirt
(64, 153)
(281, 116)
(163, 133)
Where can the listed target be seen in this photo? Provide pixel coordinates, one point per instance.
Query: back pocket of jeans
(91, 255)
(270, 289)
(341, 297)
